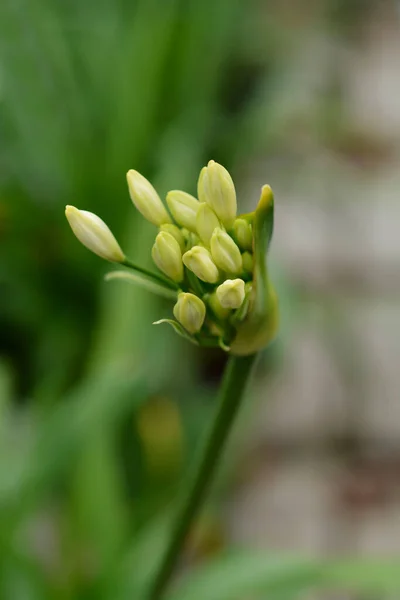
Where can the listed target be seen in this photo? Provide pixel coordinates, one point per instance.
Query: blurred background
(101, 413)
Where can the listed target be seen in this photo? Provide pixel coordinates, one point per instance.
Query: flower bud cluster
(203, 250)
(206, 249)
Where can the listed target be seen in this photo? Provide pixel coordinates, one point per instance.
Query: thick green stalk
(231, 393)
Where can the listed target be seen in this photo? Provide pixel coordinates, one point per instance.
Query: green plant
(196, 256)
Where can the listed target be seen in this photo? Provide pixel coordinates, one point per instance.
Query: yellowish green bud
(248, 261)
(215, 305)
(167, 255)
(216, 188)
(243, 234)
(93, 233)
(192, 240)
(184, 208)
(199, 260)
(231, 293)
(176, 233)
(206, 222)
(190, 311)
(225, 252)
(146, 199)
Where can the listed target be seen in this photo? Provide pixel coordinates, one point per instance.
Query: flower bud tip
(93, 233)
(146, 199)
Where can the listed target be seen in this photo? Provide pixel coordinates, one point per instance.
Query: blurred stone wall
(323, 457)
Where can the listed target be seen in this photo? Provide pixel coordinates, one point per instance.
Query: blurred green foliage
(100, 413)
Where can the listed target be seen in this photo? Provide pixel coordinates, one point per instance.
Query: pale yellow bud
(93, 233)
(190, 311)
(199, 260)
(176, 233)
(225, 252)
(184, 208)
(215, 186)
(167, 255)
(206, 222)
(248, 261)
(231, 293)
(243, 234)
(146, 199)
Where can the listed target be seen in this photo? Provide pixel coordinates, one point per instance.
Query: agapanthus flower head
(212, 263)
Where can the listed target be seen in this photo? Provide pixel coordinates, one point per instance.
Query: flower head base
(213, 263)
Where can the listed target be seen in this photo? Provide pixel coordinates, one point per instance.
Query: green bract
(213, 263)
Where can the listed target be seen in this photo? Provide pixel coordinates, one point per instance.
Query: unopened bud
(216, 188)
(216, 306)
(93, 233)
(231, 293)
(206, 222)
(190, 311)
(199, 260)
(248, 261)
(184, 208)
(243, 234)
(167, 255)
(225, 252)
(176, 233)
(146, 199)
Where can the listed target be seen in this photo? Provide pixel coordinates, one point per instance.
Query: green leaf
(363, 575)
(136, 570)
(179, 329)
(233, 576)
(152, 285)
(102, 400)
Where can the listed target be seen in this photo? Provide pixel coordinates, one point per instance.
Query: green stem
(233, 385)
(152, 276)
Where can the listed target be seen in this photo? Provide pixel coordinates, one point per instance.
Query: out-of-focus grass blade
(22, 579)
(373, 576)
(99, 509)
(136, 570)
(5, 392)
(233, 576)
(100, 402)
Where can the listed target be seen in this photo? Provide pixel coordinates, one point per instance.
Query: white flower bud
(243, 234)
(176, 233)
(184, 208)
(93, 233)
(231, 293)
(199, 260)
(146, 199)
(167, 255)
(190, 311)
(225, 252)
(216, 188)
(206, 222)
